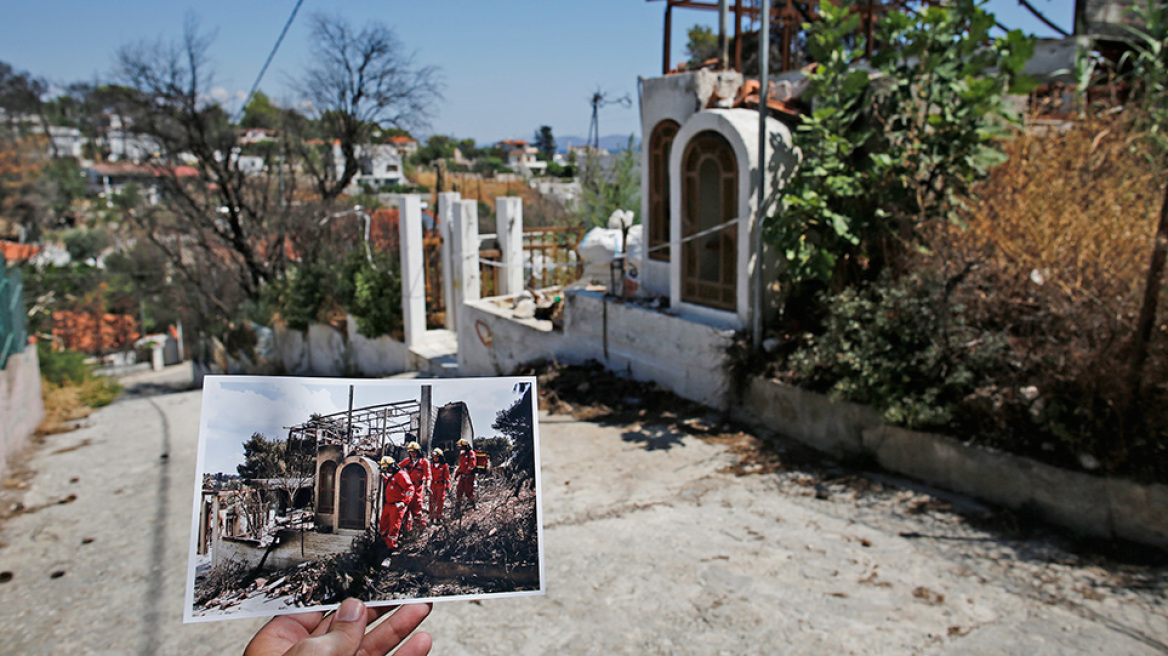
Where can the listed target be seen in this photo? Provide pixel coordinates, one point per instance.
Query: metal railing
(13, 327)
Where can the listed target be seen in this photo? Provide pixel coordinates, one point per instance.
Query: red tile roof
(94, 333)
(14, 252)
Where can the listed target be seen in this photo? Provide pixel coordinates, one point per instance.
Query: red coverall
(438, 487)
(466, 475)
(399, 491)
(419, 472)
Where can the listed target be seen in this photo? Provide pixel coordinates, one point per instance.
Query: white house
(67, 142)
(379, 164)
(524, 159)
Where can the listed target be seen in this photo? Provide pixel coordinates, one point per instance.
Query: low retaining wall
(325, 351)
(1101, 507)
(21, 407)
(291, 550)
(687, 356)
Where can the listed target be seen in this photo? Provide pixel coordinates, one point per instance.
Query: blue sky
(235, 407)
(509, 65)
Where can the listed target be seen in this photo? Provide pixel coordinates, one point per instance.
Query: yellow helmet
(462, 443)
(386, 462)
(436, 452)
(413, 446)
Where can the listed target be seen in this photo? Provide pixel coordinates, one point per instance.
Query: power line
(271, 55)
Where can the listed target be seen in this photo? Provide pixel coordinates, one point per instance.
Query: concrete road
(651, 547)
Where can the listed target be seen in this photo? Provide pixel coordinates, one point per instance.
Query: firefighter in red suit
(399, 492)
(439, 484)
(465, 474)
(419, 470)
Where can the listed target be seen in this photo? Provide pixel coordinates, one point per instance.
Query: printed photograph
(312, 490)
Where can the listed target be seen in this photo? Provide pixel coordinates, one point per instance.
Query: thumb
(347, 630)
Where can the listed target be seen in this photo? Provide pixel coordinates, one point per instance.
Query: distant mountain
(611, 142)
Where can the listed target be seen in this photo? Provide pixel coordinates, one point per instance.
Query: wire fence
(13, 329)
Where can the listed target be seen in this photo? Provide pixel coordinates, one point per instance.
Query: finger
(393, 630)
(346, 629)
(280, 632)
(418, 645)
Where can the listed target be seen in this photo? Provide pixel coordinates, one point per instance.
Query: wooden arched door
(709, 198)
(352, 502)
(327, 487)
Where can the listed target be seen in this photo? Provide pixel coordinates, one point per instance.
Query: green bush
(62, 367)
(902, 348)
(67, 368)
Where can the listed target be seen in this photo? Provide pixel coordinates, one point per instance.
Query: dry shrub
(1059, 240)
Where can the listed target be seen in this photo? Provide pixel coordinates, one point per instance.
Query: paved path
(651, 547)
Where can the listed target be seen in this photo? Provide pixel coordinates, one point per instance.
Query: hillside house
(379, 164)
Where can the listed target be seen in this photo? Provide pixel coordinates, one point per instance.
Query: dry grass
(69, 402)
(537, 211)
(1058, 243)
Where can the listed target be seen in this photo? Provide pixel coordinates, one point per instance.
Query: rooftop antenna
(600, 99)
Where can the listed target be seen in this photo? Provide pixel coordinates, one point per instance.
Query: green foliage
(260, 113)
(1148, 70)
(545, 142)
(489, 165)
(702, 44)
(63, 183)
(437, 147)
(901, 348)
(606, 191)
(372, 293)
(888, 151)
(84, 244)
(66, 368)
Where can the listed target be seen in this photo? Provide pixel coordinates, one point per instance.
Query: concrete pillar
(509, 225)
(464, 254)
(446, 200)
(413, 267)
(425, 428)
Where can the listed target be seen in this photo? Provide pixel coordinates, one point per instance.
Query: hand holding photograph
(312, 490)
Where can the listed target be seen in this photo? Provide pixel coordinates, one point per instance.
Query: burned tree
(361, 79)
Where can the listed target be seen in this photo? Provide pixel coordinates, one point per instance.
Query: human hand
(343, 633)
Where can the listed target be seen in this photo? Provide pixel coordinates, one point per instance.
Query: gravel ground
(665, 532)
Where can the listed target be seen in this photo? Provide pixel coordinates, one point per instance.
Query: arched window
(709, 198)
(326, 487)
(660, 145)
(352, 510)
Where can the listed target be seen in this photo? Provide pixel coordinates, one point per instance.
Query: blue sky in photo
(236, 407)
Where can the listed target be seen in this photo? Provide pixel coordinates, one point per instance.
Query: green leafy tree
(516, 423)
(261, 113)
(604, 191)
(545, 143)
(702, 44)
(896, 144)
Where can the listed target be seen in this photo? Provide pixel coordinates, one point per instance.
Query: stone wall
(21, 407)
(1101, 507)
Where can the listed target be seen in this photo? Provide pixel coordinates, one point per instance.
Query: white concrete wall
(740, 127)
(21, 407)
(674, 97)
(685, 356)
(1102, 507)
(324, 351)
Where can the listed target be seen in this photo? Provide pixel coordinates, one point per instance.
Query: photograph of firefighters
(465, 474)
(313, 490)
(439, 483)
(419, 470)
(399, 492)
